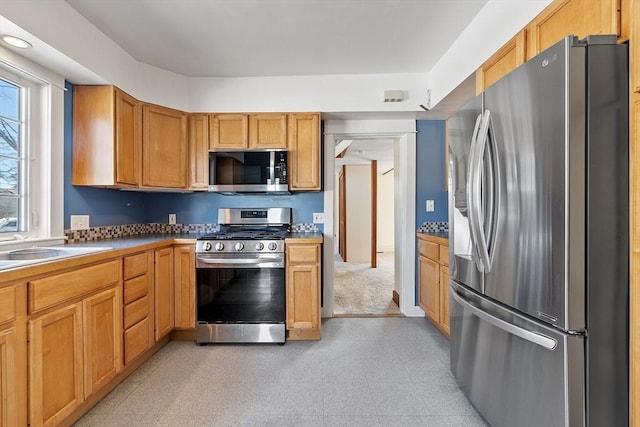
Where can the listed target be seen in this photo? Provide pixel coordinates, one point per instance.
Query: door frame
(404, 133)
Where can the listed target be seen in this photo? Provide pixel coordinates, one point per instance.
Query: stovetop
(239, 232)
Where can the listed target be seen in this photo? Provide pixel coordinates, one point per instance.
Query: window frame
(44, 155)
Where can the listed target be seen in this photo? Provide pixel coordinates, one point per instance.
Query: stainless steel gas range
(240, 277)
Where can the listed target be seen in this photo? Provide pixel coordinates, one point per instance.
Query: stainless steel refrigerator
(539, 244)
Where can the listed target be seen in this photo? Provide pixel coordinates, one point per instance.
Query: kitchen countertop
(113, 248)
(441, 237)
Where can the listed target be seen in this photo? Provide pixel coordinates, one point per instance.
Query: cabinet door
(229, 132)
(55, 365)
(185, 283)
(268, 130)
(128, 122)
(505, 60)
(579, 17)
(8, 378)
(102, 324)
(304, 152)
(199, 151)
(164, 309)
(444, 299)
(635, 47)
(164, 147)
(429, 289)
(303, 296)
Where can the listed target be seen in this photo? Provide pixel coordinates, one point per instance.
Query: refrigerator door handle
(533, 337)
(473, 196)
(476, 197)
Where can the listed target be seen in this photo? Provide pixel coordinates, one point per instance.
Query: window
(31, 153)
(12, 148)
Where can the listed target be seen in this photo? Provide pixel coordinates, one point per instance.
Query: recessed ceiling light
(16, 42)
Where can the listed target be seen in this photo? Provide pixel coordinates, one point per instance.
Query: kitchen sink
(34, 255)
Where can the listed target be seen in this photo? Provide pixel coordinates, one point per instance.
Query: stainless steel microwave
(248, 172)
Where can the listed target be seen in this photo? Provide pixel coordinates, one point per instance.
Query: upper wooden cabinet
(304, 152)
(164, 147)
(248, 131)
(198, 151)
(505, 60)
(106, 137)
(228, 132)
(578, 17)
(268, 131)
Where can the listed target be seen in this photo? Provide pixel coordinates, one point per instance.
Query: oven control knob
(219, 246)
(259, 246)
(207, 246)
(239, 246)
(272, 246)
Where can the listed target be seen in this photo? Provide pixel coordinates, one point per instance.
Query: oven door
(240, 298)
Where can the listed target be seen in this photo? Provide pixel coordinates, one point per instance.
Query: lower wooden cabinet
(303, 290)
(163, 292)
(102, 325)
(13, 357)
(56, 365)
(185, 286)
(433, 280)
(139, 331)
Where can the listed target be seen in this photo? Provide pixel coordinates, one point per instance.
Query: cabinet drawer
(136, 340)
(136, 288)
(49, 291)
(444, 254)
(7, 304)
(429, 249)
(136, 265)
(136, 311)
(303, 254)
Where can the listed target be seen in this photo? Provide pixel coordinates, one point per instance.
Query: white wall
(385, 197)
(72, 47)
(496, 23)
(358, 192)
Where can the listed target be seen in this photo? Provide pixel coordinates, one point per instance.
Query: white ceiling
(239, 38)
(243, 38)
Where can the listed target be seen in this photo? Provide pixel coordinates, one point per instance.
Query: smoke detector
(393, 96)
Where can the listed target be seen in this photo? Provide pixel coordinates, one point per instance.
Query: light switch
(430, 206)
(172, 218)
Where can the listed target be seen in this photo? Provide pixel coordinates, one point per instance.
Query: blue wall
(114, 207)
(198, 208)
(430, 167)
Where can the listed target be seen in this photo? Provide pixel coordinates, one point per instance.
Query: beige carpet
(362, 290)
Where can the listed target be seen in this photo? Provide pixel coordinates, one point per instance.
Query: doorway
(402, 132)
(364, 280)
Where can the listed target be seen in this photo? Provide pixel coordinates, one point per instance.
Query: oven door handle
(276, 261)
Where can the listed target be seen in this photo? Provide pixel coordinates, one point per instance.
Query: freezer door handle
(533, 337)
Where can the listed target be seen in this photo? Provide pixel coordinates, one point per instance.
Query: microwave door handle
(473, 194)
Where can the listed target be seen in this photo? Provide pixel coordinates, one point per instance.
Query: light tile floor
(364, 372)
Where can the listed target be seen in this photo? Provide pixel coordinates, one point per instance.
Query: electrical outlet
(172, 218)
(430, 206)
(318, 218)
(79, 222)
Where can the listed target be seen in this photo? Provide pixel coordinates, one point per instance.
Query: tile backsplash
(117, 231)
(434, 227)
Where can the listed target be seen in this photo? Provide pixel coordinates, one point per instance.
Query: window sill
(17, 243)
